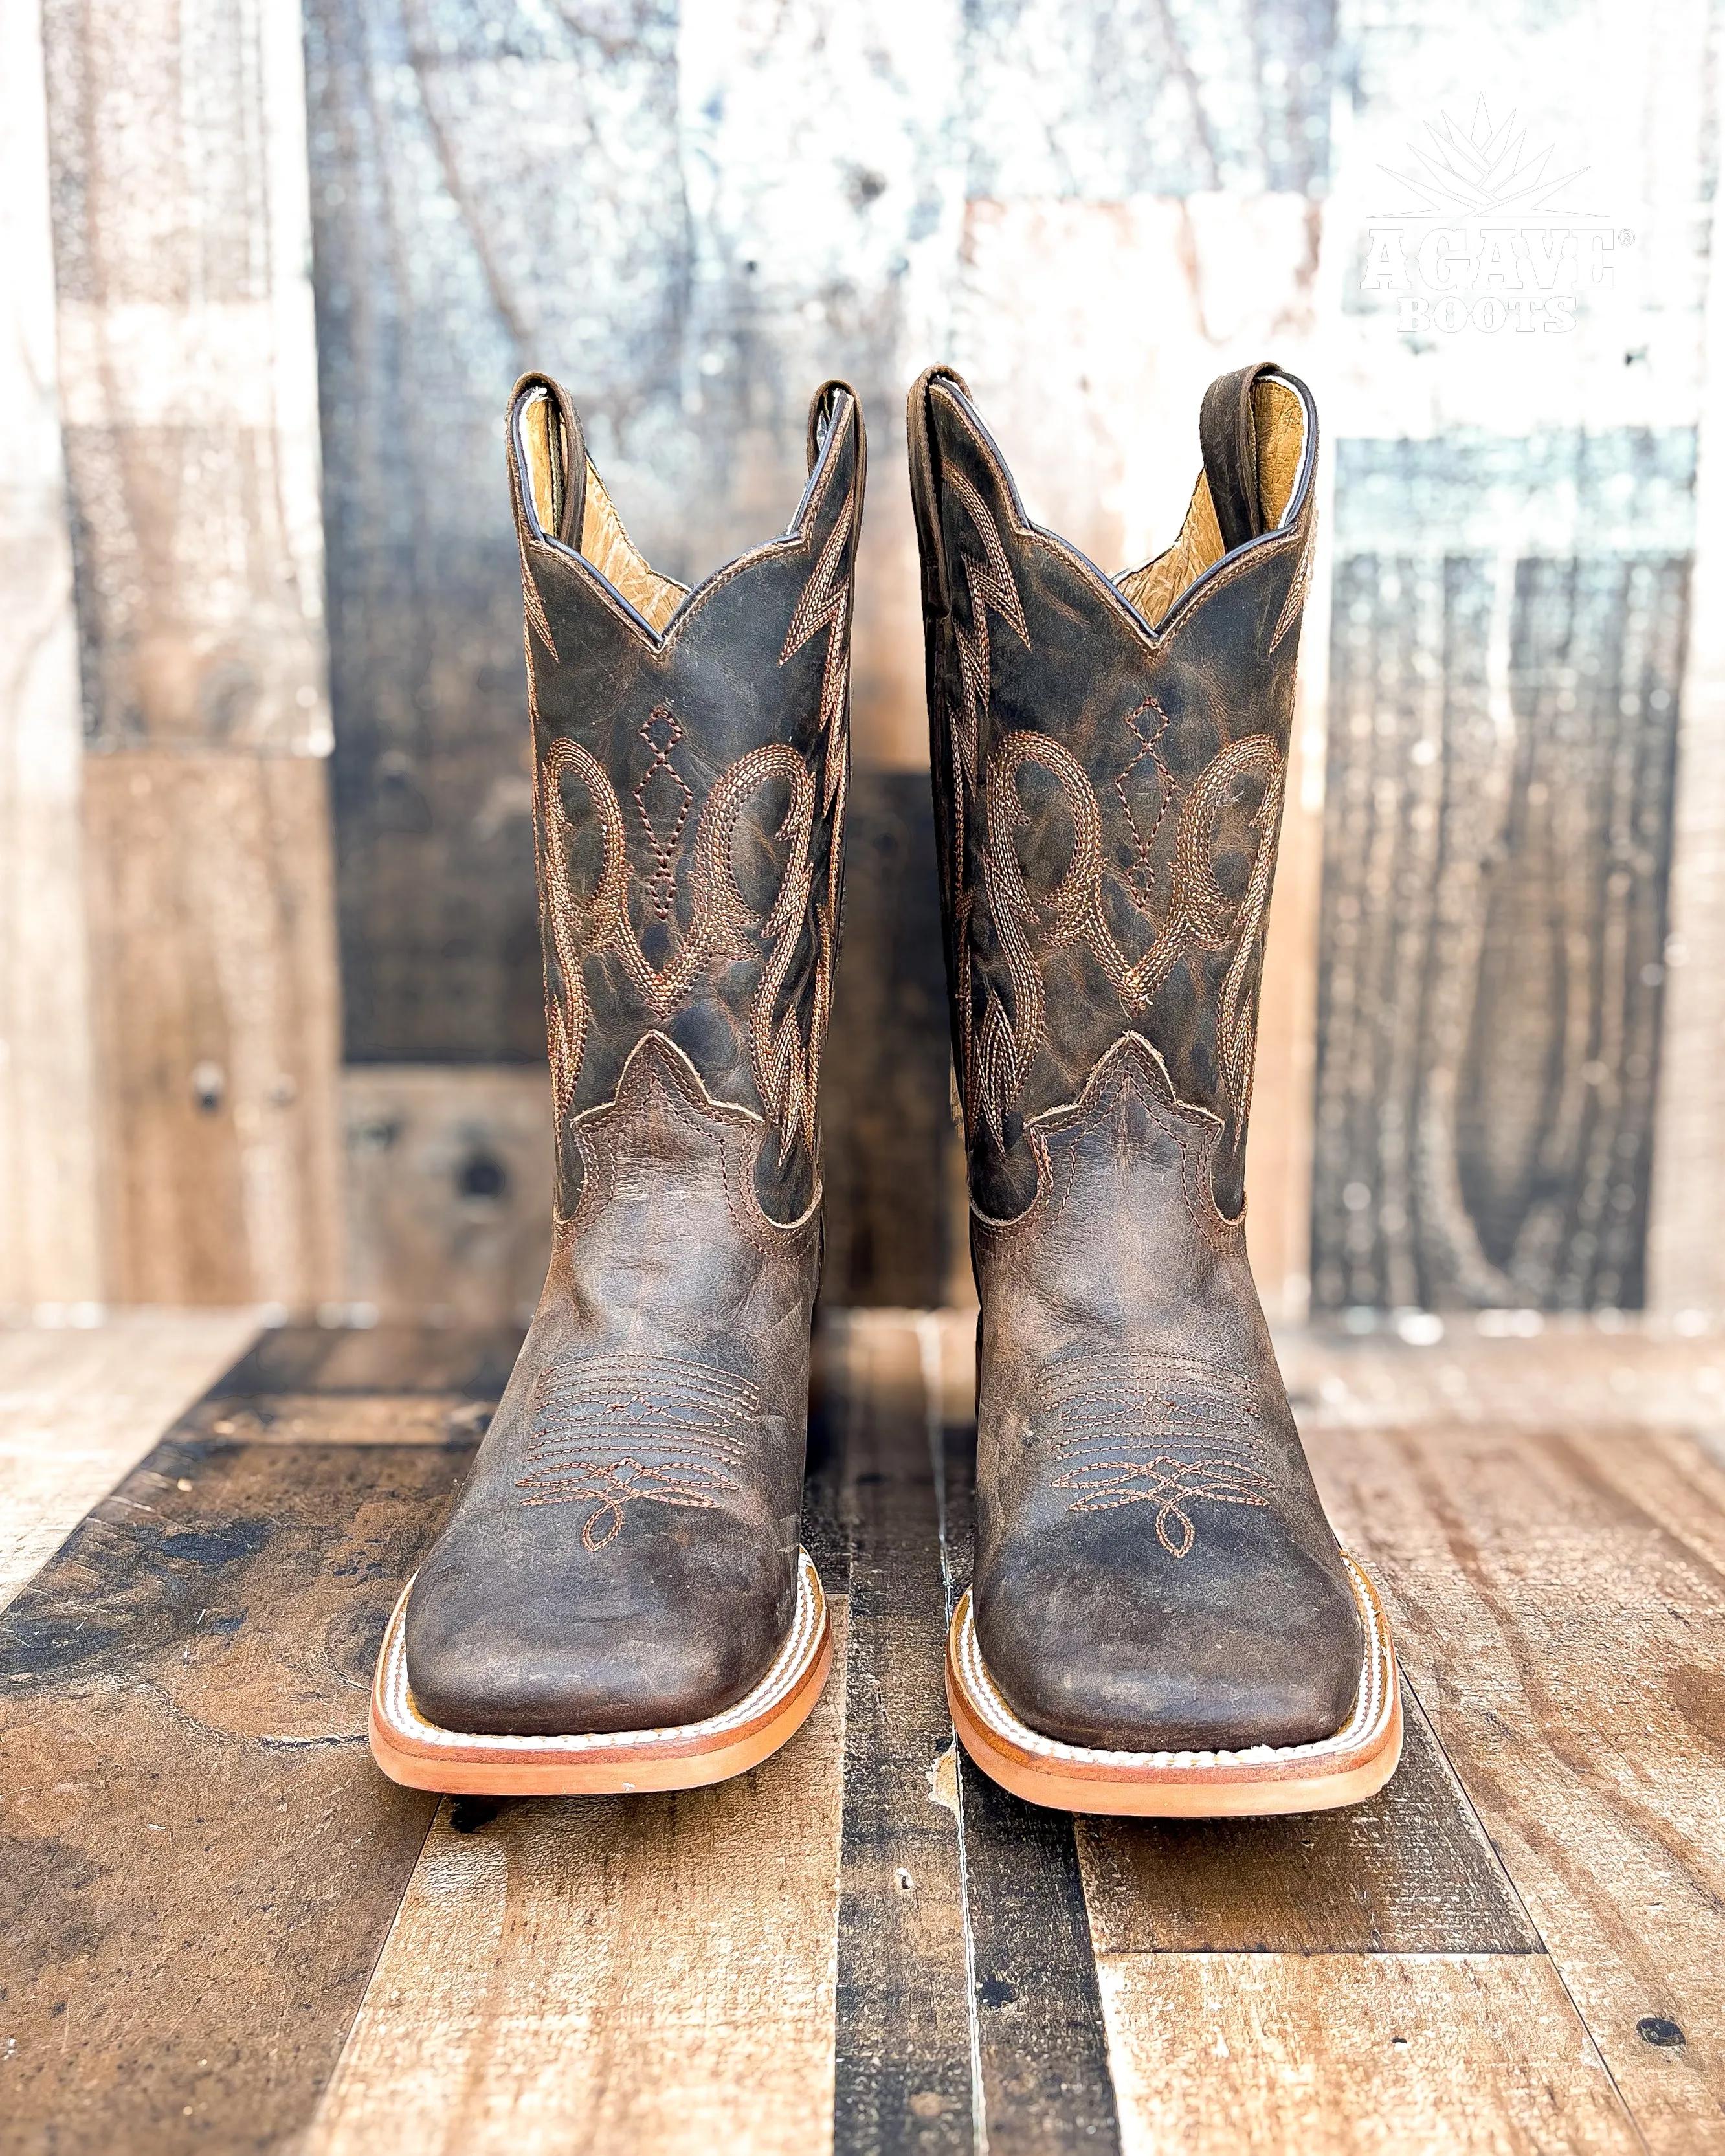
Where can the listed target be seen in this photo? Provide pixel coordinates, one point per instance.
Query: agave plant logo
(1485, 240)
(1482, 171)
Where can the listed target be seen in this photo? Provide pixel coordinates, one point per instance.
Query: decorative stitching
(1295, 599)
(679, 1422)
(1163, 1430)
(722, 926)
(1142, 877)
(1199, 914)
(990, 583)
(1133, 1064)
(825, 604)
(663, 880)
(658, 1070)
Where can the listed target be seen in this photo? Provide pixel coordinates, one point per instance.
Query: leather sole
(414, 1751)
(1342, 1769)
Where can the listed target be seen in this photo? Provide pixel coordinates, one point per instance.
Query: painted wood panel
(1514, 527)
(177, 145)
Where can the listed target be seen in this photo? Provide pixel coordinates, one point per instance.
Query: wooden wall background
(270, 977)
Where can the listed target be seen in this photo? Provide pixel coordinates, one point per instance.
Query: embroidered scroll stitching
(1200, 915)
(661, 733)
(791, 1062)
(1295, 599)
(990, 583)
(722, 926)
(1142, 876)
(1163, 1431)
(611, 1433)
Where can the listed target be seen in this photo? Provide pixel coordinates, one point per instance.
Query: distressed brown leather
(624, 1554)
(1154, 1568)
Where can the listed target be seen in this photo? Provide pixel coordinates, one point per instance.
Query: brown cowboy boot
(1161, 1620)
(619, 1600)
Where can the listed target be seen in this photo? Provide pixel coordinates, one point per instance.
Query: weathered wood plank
(473, 1361)
(903, 2063)
(1410, 1872)
(1559, 1600)
(1686, 1259)
(188, 371)
(213, 961)
(79, 1407)
(1042, 2048)
(1569, 1373)
(644, 1975)
(1334, 2054)
(50, 1249)
(201, 1863)
(450, 1419)
(1514, 520)
(888, 1131)
(448, 1191)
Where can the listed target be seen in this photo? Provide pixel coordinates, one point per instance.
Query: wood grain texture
(201, 1863)
(448, 1190)
(645, 1975)
(50, 1249)
(903, 2076)
(1686, 1259)
(1498, 831)
(213, 961)
(888, 1140)
(472, 1361)
(1410, 1871)
(1042, 2048)
(448, 1418)
(188, 371)
(1347, 2053)
(78, 1408)
(692, 217)
(1559, 1599)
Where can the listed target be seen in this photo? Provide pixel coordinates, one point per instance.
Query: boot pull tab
(553, 452)
(1228, 435)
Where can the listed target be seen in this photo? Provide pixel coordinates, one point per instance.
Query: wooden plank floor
(220, 1929)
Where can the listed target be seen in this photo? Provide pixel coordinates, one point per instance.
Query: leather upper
(1109, 792)
(1154, 1568)
(624, 1554)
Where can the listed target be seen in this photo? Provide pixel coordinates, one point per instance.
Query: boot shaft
(1109, 760)
(691, 751)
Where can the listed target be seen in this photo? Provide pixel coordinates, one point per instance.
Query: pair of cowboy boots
(1161, 1620)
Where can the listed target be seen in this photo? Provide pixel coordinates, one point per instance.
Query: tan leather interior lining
(544, 470)
(1280, 419)
(604, 540)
